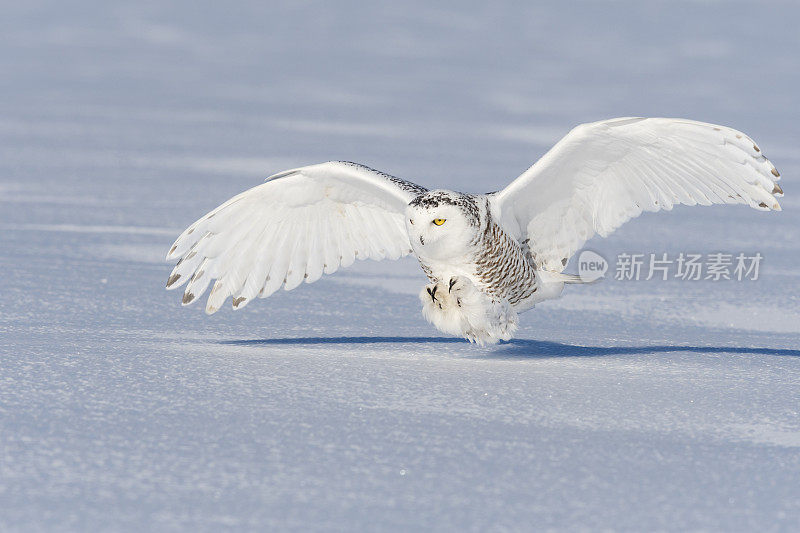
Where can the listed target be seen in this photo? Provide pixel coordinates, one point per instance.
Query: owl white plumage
(488, 256)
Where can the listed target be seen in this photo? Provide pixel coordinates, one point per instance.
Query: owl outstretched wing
(602, 174)
(298, 225)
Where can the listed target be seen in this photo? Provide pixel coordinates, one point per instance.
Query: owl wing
(602, 174)
(294, 227)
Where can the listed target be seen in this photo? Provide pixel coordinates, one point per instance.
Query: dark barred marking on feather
(502, 265)
(428, 271)
(465, 202)
(403, 184)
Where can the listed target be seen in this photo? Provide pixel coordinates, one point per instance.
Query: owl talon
(432, 293)
(455, 305)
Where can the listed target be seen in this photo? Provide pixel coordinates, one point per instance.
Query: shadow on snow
(520, 347)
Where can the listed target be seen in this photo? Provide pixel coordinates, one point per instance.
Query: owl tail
(557, 277)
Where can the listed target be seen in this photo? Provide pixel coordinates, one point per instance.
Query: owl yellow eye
(438, 221)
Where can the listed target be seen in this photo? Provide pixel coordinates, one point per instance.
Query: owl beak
(422, 240)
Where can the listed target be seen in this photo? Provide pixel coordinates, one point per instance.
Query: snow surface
(623, 405)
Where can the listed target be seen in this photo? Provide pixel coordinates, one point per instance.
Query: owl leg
(435, 295)
(440, 308)
(444, 295)
(458, 307)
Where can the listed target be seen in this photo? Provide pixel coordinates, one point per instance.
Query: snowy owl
(489, 256)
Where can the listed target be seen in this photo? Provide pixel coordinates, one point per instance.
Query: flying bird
(487, 257)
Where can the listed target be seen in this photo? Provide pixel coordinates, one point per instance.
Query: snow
(623, 405)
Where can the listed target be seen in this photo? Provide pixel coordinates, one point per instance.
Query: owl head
(443, 224)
